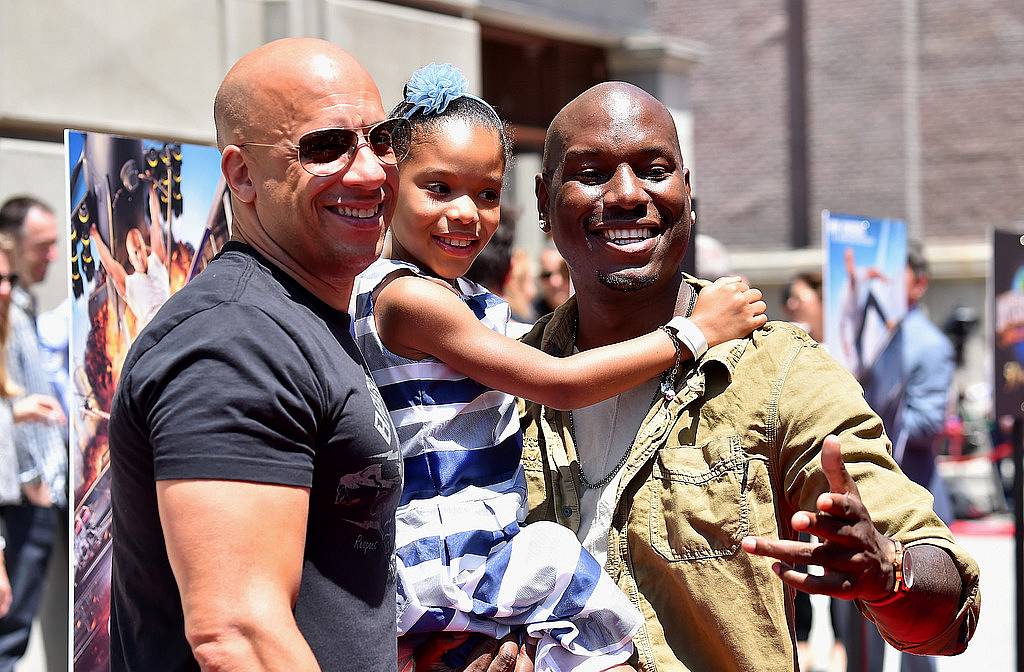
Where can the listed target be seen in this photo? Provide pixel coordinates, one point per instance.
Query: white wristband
(690, 335)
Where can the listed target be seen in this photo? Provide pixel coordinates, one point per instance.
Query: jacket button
(567, 512)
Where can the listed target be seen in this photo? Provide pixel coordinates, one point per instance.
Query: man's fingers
(506, 659)
(828, 556)
(524, 663)
(834, 584)
(827, 528)
(839, 479)
(486, 658)
(733, 282)
(753, 295)
(845, 507)
(790, 552)
(780, 549)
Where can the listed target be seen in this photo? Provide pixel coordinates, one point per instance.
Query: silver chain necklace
(584, 481)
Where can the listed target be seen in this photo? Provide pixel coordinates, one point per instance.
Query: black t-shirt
(244, 375)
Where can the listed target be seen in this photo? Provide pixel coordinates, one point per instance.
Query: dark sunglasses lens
(325, 152)
(390, 140)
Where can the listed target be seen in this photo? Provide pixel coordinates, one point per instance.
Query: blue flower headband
(432, 88)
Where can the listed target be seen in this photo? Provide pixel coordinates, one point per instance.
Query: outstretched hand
(728, 308)
(856, 558)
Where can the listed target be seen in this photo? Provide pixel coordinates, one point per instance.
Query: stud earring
(544, 225)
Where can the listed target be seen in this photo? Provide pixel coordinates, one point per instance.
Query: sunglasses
(10, 277)
(327, 151)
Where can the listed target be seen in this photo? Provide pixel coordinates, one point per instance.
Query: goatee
(626, 283)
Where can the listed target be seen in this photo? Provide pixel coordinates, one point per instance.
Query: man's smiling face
(615, 190)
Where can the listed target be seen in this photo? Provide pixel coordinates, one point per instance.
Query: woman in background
(801, 299)
(13, 408)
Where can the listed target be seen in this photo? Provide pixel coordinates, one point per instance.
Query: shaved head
(265, 86)
(617, 98)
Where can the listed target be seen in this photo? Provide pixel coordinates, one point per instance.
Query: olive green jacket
(735, 453)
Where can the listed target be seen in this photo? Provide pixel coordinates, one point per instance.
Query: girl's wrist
(689, 334)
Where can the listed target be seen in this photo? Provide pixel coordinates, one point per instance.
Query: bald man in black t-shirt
(255, 470)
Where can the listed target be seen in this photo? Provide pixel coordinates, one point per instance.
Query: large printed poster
(144, 218)
(865, 286)
(1008, 348)
(865, 301)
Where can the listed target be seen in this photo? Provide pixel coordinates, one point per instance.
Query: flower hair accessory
(432, 88)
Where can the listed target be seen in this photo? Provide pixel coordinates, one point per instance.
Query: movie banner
(144, 218)
(865, 300)
(1008, 309)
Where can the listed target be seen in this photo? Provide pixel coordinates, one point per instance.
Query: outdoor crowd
(364, 439)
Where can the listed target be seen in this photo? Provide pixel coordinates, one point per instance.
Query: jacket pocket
(698, 506)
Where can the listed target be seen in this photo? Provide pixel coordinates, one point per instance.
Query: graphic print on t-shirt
(371, 486)
(381, 419)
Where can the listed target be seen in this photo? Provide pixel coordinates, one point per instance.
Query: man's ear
(917, 288)
(236, 174)
(543, 197)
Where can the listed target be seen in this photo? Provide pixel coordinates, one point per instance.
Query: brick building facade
(910, 109)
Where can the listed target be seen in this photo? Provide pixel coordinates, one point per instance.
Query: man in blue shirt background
(928, 365)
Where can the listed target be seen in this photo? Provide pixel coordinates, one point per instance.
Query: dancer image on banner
(864, 292)
(148, 285)
(861, 298)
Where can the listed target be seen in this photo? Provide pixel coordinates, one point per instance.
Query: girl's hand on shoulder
(728, 308)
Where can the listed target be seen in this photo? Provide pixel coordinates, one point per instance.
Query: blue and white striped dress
(464, 563)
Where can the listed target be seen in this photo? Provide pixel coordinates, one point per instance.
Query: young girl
(435, 345)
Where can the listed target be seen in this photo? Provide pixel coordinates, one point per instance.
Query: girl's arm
(417, 317)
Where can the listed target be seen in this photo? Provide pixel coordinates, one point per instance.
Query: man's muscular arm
(236, 550)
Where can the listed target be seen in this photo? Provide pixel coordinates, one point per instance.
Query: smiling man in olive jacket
(694, 501)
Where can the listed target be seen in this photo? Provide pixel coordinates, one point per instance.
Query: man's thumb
(839, 479)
